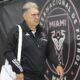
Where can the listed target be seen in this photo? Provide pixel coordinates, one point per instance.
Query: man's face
(32, 17)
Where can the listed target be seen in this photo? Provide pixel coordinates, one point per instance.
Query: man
(36, 47)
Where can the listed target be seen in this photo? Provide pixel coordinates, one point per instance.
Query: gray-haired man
(35, 47)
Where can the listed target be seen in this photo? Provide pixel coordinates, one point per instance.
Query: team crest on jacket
(61, 20)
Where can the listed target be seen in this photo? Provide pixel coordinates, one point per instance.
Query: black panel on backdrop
(61, 18)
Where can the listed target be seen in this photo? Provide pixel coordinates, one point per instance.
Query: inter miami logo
(60, 18)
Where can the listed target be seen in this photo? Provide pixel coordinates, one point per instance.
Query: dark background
(10, 15)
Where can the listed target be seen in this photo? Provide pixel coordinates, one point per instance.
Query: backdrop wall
(62, 19)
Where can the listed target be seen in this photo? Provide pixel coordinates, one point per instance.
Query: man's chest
(29, 40)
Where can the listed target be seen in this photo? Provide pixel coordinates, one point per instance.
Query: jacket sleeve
(51, 55)
(11, 50)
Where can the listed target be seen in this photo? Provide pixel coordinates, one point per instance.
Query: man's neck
(32, 27)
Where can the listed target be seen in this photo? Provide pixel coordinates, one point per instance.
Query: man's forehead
(33, 10)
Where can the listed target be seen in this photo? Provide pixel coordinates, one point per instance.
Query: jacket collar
(26, 29)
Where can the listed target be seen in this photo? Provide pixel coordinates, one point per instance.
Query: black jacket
(34, 50)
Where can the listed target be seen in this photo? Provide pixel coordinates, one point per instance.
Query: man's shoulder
(13, 30)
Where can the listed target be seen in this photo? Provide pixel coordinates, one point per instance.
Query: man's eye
(35, 14)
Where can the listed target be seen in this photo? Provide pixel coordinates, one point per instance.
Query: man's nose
(37, 16)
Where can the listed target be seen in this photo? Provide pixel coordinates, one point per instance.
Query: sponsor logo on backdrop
(61, 19)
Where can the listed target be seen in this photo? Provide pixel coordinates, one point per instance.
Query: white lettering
(78, 50)
(42, 19)
(63, 2)
(58, 2)
(67, 5)
(74, 17)
(78, 37)
(78, 57)
(44, 14)
(47, 9)
(53, 2)
(57, 23)
(50, 5)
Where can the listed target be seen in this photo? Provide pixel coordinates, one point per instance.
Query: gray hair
(28, 6)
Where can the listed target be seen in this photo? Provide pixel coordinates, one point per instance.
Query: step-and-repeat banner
(59, 17)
